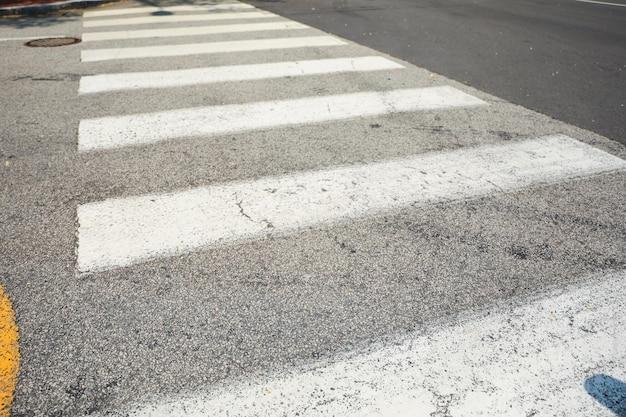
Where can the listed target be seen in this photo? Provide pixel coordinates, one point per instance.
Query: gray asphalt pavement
(563, 58)
(93, 343)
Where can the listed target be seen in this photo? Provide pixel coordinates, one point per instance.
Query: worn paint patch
(208, 75)
(9, 354)
(139, 129)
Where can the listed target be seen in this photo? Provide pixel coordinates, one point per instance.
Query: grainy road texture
(259, 201)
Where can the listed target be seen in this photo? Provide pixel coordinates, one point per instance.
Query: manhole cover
(52, 42)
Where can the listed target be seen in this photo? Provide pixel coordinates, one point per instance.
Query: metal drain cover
(52, 42)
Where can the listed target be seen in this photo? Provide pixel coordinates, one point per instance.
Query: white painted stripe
(90, 55)
(538, 359)
(602, 2)
(27, 38)
(130, 21)
(191, 31)
(138, 129)
(119, 232)
(178, 78)
(171, 9)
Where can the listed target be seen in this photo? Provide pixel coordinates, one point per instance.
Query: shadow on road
(166, 3)
(54, 18)
(43, 21)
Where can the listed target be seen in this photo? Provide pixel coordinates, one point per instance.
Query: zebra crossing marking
(138, 129)
(166, 9)
(120, 232)
(537, 358)
(131, 21)
(191, 31)
(91, 55)
(195, 76)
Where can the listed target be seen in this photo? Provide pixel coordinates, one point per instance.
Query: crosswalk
(105, 54)
(166, 9)
(120, 232)
(196, 76)
(226, 65)
(217, 211)
(111, 132)
(493, 372)
(190, 31)
(133, 21)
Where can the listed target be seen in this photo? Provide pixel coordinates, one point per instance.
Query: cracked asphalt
(92, 344)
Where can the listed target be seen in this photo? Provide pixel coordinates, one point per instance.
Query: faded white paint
(531, 360)
(184, 18)
(191, 31)
(186, 77)
(120, 232)
(88, 55)
(170, 9)
(138, 129)
(604, 3)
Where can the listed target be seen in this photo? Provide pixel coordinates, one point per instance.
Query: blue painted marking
(609, 392)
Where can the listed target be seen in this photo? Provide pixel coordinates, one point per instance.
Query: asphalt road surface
(563, 58)
(220, 211)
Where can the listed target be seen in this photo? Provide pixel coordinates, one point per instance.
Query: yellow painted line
(9, 354)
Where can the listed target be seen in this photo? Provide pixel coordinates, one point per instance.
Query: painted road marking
(27, 38)
(535, 359)
(138, 129)
(90, 55)
(131, 21)
(602, 2)
(171, 9)
(119, 232)
(191, 31)
(178, 78)
(9, 354)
